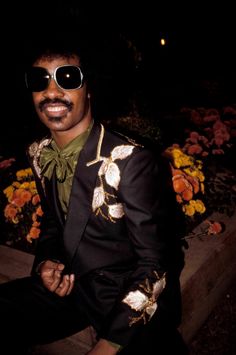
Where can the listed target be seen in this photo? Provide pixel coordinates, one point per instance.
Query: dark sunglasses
(67, 77)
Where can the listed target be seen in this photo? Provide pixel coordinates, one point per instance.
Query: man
(107, 256)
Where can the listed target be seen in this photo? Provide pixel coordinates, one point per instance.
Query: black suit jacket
(118, 238)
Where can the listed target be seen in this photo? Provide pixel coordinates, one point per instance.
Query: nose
(53, 90)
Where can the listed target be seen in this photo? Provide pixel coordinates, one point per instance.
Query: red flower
(214, 227)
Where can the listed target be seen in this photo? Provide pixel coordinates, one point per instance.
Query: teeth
(55, 108)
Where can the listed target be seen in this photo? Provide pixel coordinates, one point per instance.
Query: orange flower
(34, 216)
(35, 199)
(36, 224)
(180, 184)
(33, 234)
(39, 211)
(10, 211)
(20, 197)
(179, 198)
(26, 195)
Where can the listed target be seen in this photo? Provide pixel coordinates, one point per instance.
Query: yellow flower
(32, 185)
(16, 184)
(189, 210)
(20, 174)
(202, 188)
(29, 172)
(200, 207)
(25, 185)
(24, 174)
(9, 192)
(176, 152)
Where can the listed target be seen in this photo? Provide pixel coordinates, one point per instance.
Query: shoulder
(116, 137)
(129, 153)
(35, 148)
(117, 143)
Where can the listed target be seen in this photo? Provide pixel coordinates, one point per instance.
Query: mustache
(47, 101)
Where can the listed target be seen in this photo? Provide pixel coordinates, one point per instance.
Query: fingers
(66, 285)
(48, 267)
(51, 274)
(72, 281)
(54, 281)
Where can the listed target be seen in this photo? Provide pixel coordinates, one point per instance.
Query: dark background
(197, 67)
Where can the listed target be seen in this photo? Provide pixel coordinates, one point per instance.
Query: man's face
(59, 109)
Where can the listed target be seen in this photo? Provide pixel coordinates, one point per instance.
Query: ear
(89, 95)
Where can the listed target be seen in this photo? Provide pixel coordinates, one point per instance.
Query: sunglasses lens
(69, 77)
(37, 79)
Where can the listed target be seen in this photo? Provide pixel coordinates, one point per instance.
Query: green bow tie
(62, 160)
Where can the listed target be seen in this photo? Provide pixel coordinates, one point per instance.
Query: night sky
(200, 36)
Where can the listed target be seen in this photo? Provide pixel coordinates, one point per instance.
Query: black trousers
(151, 341)
(32, 315)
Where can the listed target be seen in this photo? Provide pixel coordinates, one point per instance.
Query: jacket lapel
(80, 204)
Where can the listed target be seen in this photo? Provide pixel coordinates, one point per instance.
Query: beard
(55, 119)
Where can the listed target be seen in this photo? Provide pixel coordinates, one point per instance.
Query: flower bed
(22, 211)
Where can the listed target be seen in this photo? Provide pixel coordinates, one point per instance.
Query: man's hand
(53, 280)
(103, 347)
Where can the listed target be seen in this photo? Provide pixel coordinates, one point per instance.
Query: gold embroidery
(98, 197)
(131, 140)
(145, 302)
(98, 155)
(116, 210)
(109, 173)
(121, 152)
(101, 198)
(34, 152)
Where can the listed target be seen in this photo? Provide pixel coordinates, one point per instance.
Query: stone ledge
(209, 269)
(14, 263)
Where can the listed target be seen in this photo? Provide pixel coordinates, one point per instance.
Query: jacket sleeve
(148, 205)
(49, 244)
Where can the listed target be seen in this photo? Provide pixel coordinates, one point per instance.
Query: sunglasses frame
(53, 76)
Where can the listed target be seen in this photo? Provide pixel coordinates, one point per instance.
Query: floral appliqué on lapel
(145, 301)
(109, 173)
(34, 151)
